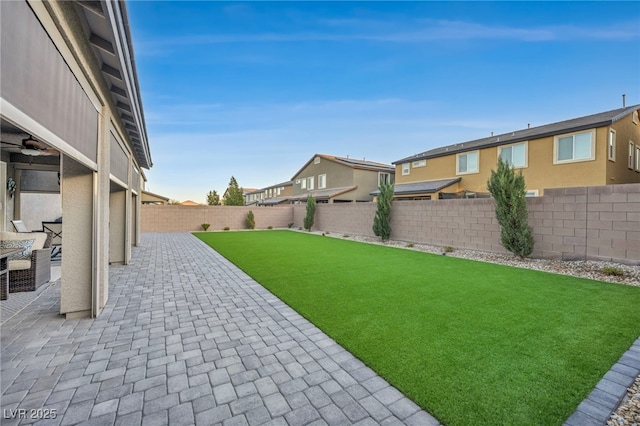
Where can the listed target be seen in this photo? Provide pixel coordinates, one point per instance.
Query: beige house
(151, 198)
(280, 193)
(73, 136)
(331, 179)
(598, 149)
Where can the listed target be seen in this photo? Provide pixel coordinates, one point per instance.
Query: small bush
(613, 271)
(299, 228)
(290, 225)
(226, 228)
(270, 227)
(448, 249)
(327, 232)
(251, 220)
(410, 245)
(205, 226)
(345, 236)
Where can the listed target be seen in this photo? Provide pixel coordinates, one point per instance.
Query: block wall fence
(597, 223)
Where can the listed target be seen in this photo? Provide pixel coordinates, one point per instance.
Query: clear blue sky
(254, 89)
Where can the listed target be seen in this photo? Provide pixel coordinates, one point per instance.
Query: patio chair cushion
(40, 238)
(19, 265)
(23, 245)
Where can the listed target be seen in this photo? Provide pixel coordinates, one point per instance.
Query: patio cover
(428, 186)
(324, 194)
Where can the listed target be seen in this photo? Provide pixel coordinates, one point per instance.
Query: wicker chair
(28, 275)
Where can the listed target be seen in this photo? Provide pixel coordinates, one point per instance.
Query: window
(467, 162)
(514, 155)
(419, 163)
(270, 193)
(303, 183)
(637, 158)
(635, 117)
(531, 193)
(632, 147)
(310, 182)
(611, 147)
(384, 178)
(576, 147)
(405, 169)
(316, 160)
(322, 181)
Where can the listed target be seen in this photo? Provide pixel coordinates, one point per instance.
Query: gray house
(331, 179)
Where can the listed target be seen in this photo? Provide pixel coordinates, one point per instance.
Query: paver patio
(186, 337)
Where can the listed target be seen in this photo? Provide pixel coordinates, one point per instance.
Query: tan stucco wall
(117, 227)
(338, 175)
(540, 172)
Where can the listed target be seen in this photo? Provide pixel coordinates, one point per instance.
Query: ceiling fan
(32, 147)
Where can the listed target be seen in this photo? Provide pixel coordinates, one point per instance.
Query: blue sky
(254, 89)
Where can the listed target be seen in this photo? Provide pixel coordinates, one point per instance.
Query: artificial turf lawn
(471, 342)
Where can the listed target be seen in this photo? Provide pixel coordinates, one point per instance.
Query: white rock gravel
(578, 268)
(628, 413)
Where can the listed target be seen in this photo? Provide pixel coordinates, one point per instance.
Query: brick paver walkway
(186, 338)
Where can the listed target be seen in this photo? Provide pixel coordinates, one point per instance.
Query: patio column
(76, 290)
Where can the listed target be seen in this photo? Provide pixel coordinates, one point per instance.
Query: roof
(109, 35)
(567, 126)
(246, 191)
(274, 201)
(147, 194)
(190, 203)
(325, 194)
(427, 186)
(287, 183)
(354, 163)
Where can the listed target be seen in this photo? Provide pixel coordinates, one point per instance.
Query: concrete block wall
(599, 223)
(190, 218)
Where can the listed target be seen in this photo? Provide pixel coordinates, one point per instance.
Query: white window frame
(634, 117)
(477, 169)
(303, 183)
(556, 139)
(526, 154)
(611, 145)
(316, 160)
(322, 183)
(532, 193)
(419, 163)
(310, 181)
(632, 149)
(381, 174)
(638, 158)
(406, 169)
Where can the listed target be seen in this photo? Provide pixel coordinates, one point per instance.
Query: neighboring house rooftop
(350, 162)
(150, 197)
(287, 183)
(421, 187)
(190, 203)
(567, 126)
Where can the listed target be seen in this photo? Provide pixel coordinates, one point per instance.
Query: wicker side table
(4, 272)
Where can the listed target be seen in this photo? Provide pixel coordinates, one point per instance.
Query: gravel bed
(628, 413)
(578, 268)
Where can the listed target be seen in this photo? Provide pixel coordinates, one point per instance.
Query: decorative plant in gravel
(205, 226)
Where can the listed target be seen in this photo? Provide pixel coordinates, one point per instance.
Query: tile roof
(573, 125)
(421, 187)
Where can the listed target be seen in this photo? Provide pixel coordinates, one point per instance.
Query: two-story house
(280, 193)
(331, 179)
(252, 197)
(598, 149)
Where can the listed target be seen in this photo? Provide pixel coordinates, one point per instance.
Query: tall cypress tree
(508, 190)
(309, 219)
(382, 219)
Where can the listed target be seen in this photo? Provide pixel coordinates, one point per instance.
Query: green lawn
(471, 342)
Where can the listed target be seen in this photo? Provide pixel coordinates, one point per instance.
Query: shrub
(382, 219)
(226, 228)
(311, 211)
(269, 227)
(205, 226)
(345, 236)
(251, 220)
(290, 225)
(508, 190)
(409, 245)
(612, 270)
(448, 249)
